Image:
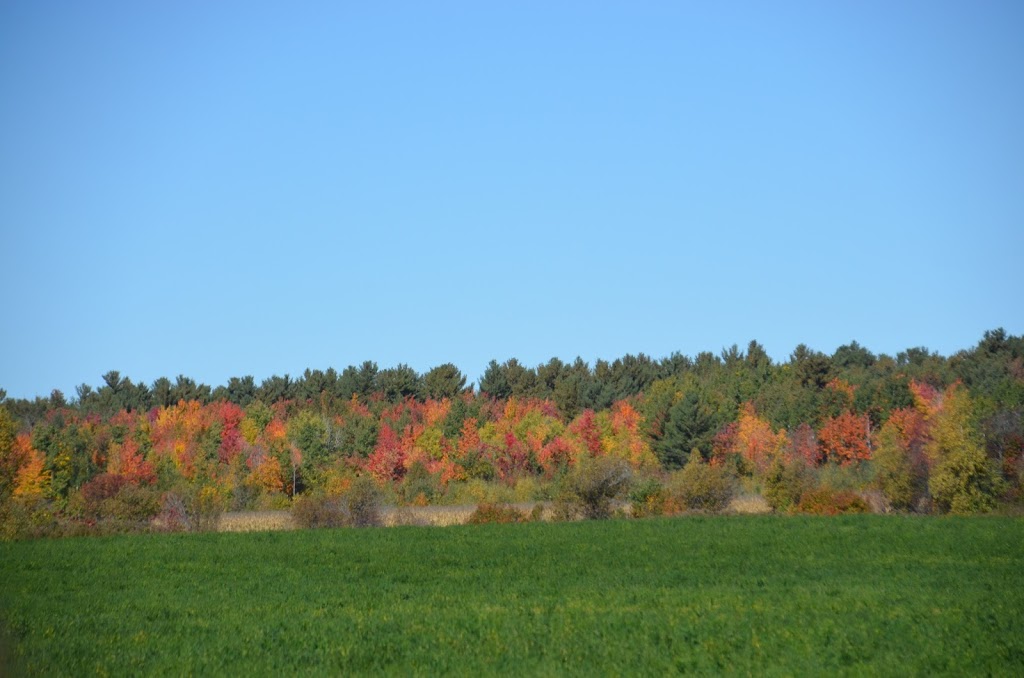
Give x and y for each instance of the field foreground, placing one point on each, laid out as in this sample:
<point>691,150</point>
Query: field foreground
<point>743,594</point>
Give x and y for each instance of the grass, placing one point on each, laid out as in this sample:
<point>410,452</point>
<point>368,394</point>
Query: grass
<point>741,594</point>
<point>255,521</point>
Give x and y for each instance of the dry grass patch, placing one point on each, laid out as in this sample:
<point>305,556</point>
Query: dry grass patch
<point>255,521</point>
<point>749,503</point>
<point>437,516</point>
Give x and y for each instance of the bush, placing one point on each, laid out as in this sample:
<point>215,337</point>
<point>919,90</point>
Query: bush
<point>785,484</point>
<point>647,498</point>
<point>110,504</point>
<point>528,488</point>
<point>419,486</point>
<point>700,486</point>
<point>98,490</point>
<point>852,477</point>
<point>476,491</point>
<point>826,502</point>
<point>565,508</point>
<point>495,513</point>
<point>360,506</point>
<point>27,519</point>
<point>364,501</point>
<point>595,483</point>
<point>191,509</point>
<point>272,501</point>
<point>244,497</point>
<point>132,503</point>
<point>317,511</point>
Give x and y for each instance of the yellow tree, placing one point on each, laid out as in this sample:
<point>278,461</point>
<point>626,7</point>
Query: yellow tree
<point>750,440</point>
<point>963,479</point>
<point>32,479</point>
<point>265,472</point>
<point>901,469</point>
<point>622,436</point>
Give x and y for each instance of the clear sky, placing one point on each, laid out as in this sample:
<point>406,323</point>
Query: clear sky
<point>220,189</point>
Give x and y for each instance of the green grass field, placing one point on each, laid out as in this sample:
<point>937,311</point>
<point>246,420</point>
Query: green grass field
<point>775,595</point>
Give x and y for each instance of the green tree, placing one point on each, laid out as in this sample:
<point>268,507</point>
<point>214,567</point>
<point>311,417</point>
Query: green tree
<point>692,423</point>
<point>275,389</point>
<point>241,391</point>
<point>508,379</point>
<point>573,387</point>
<point>398,383</point>
<point>358,435</point>
<point>308,432</point>
<point>10,461</point>
<point>443,381</point>
<point>69,451</point>
<point>622,379</point>
<point>360,381</point>
<point>316,384</point>
<point>186,389</point>
<point>812,369</point>
<point>852,356</point>
<point>161,391</point>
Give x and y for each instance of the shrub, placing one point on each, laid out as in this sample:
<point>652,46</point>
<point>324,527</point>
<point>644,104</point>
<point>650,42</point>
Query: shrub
<point>132,503</point>
<point>495,513</point>
<point>826,502</point>
<point>527,488</point>
<point>98,490</point>
<point>364,501</point>
<point>318,511</point>
<point>110,503</point>
<point>272,501</point>
<point>360,506</point>
<point>476,491</point>
<point>192,509</point>
<point>785,483</point>
<point>173,516</point>
<point>205,505</point>
<point>700,486</point>
<point>244,497</point>
<point>27,518</point>
<point>852,477</point>
<point>419,486</point>
<point>647,498</point>
<point>565,508</point>
<point>595,483</point>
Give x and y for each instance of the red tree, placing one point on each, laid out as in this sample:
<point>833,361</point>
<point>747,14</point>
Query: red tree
<point>846,438</point>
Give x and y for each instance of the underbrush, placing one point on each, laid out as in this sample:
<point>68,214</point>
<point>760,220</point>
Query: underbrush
<point>826,502</point>
<point>360,506</point>
<point>600,487</point>
<point>495,513</point>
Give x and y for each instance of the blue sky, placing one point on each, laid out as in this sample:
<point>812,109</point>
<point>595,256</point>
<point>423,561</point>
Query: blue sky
<point>221,189</point>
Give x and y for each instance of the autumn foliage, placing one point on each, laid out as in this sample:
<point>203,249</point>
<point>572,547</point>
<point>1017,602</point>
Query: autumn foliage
<point>924,432</point>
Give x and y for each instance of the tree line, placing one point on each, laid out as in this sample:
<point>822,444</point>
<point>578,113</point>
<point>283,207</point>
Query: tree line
<point>924,431</point>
